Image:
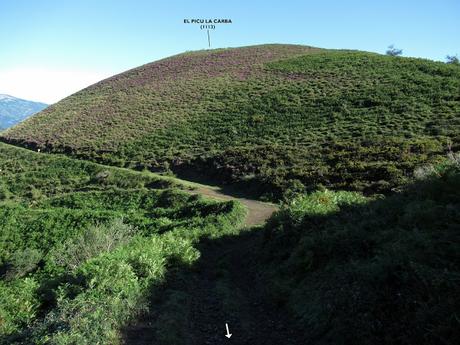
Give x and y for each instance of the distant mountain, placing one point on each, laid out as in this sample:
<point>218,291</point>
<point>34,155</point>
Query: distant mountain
<point>14,110</point>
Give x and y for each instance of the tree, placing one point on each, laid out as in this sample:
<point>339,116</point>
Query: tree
<point>452,59</point>
<point>392,51</point>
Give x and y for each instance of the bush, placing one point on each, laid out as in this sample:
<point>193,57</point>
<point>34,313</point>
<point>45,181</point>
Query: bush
<point>98,239</point>
<point>23,262</point>
<point>18,304</point>
<point>113,288</point>
<point>452,59</point>
<point>392,51</point>
<point>4,192</point>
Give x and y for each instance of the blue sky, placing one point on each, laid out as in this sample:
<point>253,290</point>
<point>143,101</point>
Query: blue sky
<point>50,49</point>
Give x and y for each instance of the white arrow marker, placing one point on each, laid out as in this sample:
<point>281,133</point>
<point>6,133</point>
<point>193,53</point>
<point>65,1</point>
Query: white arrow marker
<point>228,335</point>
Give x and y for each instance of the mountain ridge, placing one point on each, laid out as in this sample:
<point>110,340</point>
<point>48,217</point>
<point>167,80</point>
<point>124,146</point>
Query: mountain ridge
<point>14,110</point>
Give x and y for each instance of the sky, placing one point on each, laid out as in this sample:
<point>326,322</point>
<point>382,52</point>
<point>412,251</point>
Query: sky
<point>50,49</point>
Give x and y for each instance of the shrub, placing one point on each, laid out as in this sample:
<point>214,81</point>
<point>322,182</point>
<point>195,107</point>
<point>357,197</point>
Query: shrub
<point>392,51</point>
<point>452,59</point>
<point>18,304</point>
<point>23,262</point>
<point>3,193</point>
<point>115,286</point>
<point>97,239</point>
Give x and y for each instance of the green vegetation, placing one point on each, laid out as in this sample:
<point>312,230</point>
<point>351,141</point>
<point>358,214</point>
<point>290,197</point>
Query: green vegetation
<point>356,270</point>
<point>82,245</point>
<point>365,249</point>
<point>275,118</point>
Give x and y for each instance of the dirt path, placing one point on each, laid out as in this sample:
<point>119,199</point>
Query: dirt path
<point>258,211</point>
<point>225,286</point>
<point>233,292</point>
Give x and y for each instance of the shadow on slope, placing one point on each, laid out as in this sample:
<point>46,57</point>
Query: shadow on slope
<point>385,271</point>
<point>224,286</point>
<point>330,268</point>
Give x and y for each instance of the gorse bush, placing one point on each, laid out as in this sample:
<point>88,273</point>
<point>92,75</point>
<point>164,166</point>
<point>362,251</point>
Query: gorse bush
<point>27,177</point>
<point>23,261</point>
<point>95,240</point>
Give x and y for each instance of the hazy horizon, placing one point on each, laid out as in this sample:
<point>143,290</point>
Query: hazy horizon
<point>52,49</point>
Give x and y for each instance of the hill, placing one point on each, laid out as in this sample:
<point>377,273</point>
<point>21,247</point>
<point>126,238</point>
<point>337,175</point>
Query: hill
<point>13,110</point>
<point>277,118</point>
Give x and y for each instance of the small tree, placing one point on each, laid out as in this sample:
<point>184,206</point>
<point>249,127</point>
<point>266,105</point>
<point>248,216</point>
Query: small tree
<point>452,59</point>
<point>392,51</point>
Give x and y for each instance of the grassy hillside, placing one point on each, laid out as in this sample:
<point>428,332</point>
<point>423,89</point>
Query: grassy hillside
<point>276,118</point>
<point>356,270</point>
<point>82,245</point>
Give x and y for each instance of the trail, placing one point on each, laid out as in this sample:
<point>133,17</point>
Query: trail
<point>258,211</point>
<point>224,287</point>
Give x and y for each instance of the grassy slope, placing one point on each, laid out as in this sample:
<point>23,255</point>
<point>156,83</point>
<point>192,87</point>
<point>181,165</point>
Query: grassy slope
<point>275,117</point>
<point>371,271</point>
<point>82,244</point>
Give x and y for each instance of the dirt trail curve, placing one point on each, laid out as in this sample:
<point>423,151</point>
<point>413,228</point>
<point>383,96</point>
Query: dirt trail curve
<point>225,286</point>
<point>258,211</point>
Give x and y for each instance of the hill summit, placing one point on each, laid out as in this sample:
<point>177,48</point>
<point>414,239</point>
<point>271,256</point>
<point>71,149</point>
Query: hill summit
<point>277,118</point>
